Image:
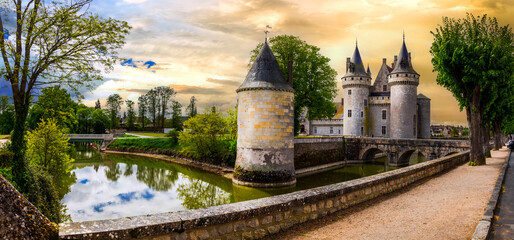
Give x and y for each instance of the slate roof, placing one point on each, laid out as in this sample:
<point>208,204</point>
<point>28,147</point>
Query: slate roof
<point>403,65</point>
<point>421,96</point>
<point>265,74</point>
<point>357,68</point>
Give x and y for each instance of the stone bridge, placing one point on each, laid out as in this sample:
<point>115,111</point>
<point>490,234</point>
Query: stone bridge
<point>398,151</point>
<point>90,137</point>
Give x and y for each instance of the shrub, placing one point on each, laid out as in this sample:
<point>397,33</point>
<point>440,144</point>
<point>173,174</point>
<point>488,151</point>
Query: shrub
<point>6,159</point>
<point>173,134</point>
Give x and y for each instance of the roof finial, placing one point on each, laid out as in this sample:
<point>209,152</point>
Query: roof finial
<point>403,35</point>
<point>355,42</point>
<point>266,32</point>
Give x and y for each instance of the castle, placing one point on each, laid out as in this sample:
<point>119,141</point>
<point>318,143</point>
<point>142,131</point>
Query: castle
<point>390,107</point>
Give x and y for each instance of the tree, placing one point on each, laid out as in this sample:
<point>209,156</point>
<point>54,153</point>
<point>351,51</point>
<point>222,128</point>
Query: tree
<point>100,121</point>
<point>54,103</point>
<point>131,114</point>
<point>165,94</point>
<point>153,106</point>
<point>57,42</point>
<point>176,116</point>
<point>6,115</point>
<point>97,104</point>
<point>191,108</point>
<point>467,55</point>
<point>114,103</point>
<point>85,118</point>
<point>313,78</point>
<point>454,132</point>
<point>142,106</point>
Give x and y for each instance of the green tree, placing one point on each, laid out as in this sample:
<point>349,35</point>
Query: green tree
<point>142,106</point>
<point>191,108</point>
<point>54,42</point>
<point>465,132</point>
<point>97,104</point>
<point>165,94</point>
<point>466,56</point>
<point>131,114</point>
<point>114,103</point>
<point>6,115</point>
<point>205,137</point>
<point>54,103</point>
<point>313,78</point>
<point>153,107</point>
<point>176,116</point>
<point>85,119</point>
<point>100,121</point>
<point>454,132</point>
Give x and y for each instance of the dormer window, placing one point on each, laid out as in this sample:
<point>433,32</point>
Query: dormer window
<point>385,88</point>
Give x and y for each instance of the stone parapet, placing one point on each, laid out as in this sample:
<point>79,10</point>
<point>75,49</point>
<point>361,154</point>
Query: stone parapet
<point>257,218</point>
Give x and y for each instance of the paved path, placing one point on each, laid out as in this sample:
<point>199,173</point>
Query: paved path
<point>141,136</point>
<point>448,206</point>
<point>503,227</point>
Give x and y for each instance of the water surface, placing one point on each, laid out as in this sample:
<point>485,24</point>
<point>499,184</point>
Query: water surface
<point>117,185</point>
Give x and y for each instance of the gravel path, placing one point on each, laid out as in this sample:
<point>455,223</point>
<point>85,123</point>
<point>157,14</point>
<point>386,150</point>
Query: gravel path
<point>448,206</point>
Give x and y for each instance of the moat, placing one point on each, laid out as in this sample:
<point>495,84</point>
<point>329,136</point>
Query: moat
<point>111,186</point>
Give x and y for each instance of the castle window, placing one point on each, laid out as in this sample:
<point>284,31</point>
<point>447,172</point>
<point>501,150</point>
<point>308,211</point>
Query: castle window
<point>339,131</point>
<point>385,88</point>
<point>331,130</point>
<point>396,75</point>
<point>384,114</point>
<point>349,113</point>
<point>365,103</point>
<point>352,78</point>
<point>362,131</point>
<point>384,130</point>
<point>382,98</point>
<point>362,114</point>
<point>360,79</point>
<point>315,130</point>
<point>349,92</point>
<point>406,75</point>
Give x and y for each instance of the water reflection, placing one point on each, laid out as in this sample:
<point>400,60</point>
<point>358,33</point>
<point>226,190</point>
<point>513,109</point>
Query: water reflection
<point>106,186</point>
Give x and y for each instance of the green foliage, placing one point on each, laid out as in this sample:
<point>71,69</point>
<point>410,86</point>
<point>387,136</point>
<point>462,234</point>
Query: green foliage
<point>173,134</point>
<point>6,115</point>
<point>191,108</point>
<point>114,103</point>
<point>55,103</point>
<point>176,116</point>
<point>454,132</point>
<point>207,137</point>
<point>313,78</point>
<point>6,159</point>
<point>142,106</point>
<point>144,144</point>
<point>465,132</point>
<point>131,114</point>
<point>48,146</point>
<point>164,95</point>
<point>44,195</point>
<point>100,121</point>
<point>85,119</point>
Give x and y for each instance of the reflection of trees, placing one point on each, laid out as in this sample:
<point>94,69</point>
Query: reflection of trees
<point>198,194</point>
<point>128,170</point>
<point>63,182</point>
<point>156,178</point>
<point>113,172</point>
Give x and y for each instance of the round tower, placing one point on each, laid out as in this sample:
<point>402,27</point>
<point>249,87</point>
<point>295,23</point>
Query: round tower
<point>265,123</point>
<point>403,82</point>
<point>423,116</point>
<point>356,84</point>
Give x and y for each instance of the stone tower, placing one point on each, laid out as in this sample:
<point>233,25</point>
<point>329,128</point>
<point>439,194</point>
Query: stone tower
<point>356,84</point>
<point>423,116</point>
<point>265,123</point>
<point>403,83</point>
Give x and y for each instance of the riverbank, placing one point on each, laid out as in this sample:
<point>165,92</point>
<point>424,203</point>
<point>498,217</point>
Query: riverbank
<point>448,206</point>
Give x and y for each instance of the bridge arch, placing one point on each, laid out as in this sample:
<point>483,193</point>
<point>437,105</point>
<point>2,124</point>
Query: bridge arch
<point>368,154</point>
<point>404,157</point>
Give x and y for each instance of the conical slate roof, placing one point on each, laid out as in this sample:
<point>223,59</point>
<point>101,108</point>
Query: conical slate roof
<point>368,71</point>
<point>265,73</point>
<point>403,64</point>
<point>357,68</point>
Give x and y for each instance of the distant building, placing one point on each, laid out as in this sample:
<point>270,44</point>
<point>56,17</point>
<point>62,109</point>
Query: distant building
<point>390,107</point>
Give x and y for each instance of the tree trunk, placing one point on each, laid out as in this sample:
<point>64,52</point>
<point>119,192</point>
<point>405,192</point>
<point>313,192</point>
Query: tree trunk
<point>487,138</point>
<point>18,147</point>
<point>497,135</point>
<point>475,132</point>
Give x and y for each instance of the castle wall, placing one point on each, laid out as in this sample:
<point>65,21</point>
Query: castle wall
<point>354,102</point>
<point>403,108</point>
<point>423,118</point>
<point>265,148</point>
<point>376,118</point>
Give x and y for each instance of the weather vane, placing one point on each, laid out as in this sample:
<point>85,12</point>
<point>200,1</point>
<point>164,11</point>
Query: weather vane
<point>266,32</point>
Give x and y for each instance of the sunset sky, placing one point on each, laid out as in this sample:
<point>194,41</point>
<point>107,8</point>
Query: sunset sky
<point>202,48</point>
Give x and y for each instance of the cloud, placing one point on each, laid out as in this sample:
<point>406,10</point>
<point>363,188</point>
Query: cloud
<point>224,82</point>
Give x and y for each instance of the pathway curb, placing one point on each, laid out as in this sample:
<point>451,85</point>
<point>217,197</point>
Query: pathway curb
<point>483,227</point>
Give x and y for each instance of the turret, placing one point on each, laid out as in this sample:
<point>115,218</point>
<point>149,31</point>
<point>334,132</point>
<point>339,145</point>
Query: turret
<point>265,123</point>
<point>356,84</point>
<point>423,116</point>
<point>403,82</point>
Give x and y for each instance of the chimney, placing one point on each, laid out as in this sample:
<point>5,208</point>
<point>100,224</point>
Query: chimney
<point>290,68</point>
<point>347,64</point>
<point>384,61</point>
<point>395,60</point>
<point>410,64</point>
<point>342,101</point>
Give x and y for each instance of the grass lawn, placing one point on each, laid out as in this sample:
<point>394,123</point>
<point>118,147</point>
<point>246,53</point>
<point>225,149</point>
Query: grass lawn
<point>128,136</point>
<point>149,134</point>
<point>3,136</point>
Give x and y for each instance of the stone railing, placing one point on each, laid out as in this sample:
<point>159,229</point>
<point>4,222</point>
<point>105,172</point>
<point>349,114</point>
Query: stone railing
<point>260,217</point>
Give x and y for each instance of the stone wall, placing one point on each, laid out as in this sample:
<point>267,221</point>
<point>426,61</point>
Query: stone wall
<point>309,152</point>
<point>19,219</point>
<point>257,218</point>
<point>376,108</point>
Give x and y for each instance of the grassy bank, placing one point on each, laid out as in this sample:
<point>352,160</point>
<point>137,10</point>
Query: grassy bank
<point>149,134</point>
<point>160,145</point>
